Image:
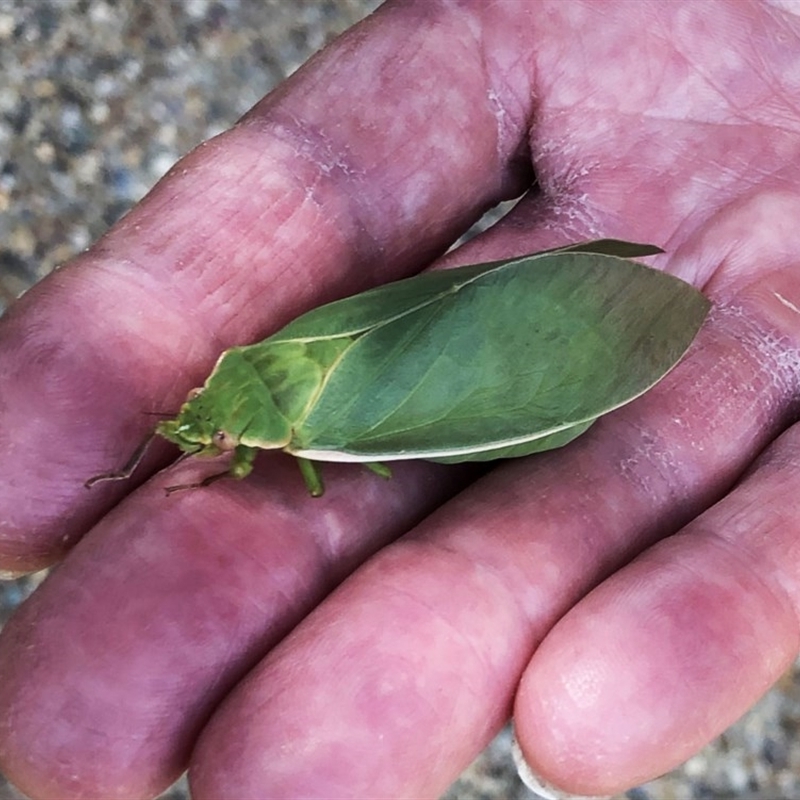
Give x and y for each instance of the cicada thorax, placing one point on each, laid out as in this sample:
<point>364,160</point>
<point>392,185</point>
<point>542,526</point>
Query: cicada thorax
<point>259,395</point>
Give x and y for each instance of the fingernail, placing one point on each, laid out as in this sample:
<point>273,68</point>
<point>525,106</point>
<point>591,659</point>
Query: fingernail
<point>540,786</point>
<point>33,578</point>
<point>10,575</point>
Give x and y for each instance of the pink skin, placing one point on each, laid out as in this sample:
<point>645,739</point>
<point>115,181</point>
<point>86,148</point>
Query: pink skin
<point>628,597</point>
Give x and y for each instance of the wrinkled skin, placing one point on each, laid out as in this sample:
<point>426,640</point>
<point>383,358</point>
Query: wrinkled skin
<point>627,597</point>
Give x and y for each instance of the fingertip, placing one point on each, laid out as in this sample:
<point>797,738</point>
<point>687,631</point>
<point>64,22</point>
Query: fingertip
<point>649,668</point>
<point>566,718</point>
<point>537,784</point>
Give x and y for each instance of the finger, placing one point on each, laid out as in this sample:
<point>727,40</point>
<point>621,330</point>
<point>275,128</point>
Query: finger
<point>670,651</point>
<point>112,667</point>
<point>318,192</point>
<point>479,585</point>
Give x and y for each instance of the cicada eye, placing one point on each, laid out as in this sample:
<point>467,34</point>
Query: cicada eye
<point>196,392</point>
<point>224,441</point>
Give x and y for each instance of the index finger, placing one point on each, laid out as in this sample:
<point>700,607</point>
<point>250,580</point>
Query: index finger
<point>310,196</point>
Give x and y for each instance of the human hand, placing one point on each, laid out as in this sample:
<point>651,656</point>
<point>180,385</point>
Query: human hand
<point>642,121</point>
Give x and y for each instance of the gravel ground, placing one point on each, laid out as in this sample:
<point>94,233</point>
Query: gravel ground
<point>97,100</point>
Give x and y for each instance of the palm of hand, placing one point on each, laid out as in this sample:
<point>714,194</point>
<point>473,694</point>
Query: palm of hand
<point>665,128</point>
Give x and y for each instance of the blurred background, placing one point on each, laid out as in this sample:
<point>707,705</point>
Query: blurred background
<point>98,98</point>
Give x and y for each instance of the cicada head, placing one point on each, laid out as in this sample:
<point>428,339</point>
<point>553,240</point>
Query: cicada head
<point>195,429</point>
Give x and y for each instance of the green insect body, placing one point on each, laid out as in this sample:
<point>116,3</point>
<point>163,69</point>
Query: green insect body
<point>479,362</point>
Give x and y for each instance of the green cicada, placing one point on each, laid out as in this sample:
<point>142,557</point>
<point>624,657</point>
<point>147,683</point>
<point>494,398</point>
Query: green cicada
<point>480,362</point>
